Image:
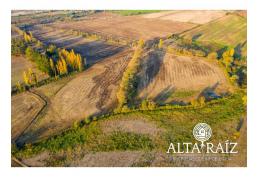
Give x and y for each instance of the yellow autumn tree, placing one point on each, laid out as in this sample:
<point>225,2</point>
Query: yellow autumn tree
<point>26,78</point>
<point>160,44</point>
<point>79,63</point>
<point>61,66</point>
<point>127,86</point>
<point>27,37</point>
<point>65,70</point>
<point>52,66</point>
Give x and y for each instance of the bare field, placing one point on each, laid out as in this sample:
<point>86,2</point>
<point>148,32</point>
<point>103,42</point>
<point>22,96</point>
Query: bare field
<point>21,64</point>
<point>92,50</point>
<point>25,107</point>
<point>187,16</point>
<point>89,93</point>
<point>128,27</point>
<point>163,74</point>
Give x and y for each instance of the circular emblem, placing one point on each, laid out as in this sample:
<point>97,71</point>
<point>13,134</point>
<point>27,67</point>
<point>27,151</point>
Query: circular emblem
<point>202,132</point>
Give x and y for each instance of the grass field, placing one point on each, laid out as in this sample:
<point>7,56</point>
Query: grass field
<point>172,125</point>
<point>229,30</point>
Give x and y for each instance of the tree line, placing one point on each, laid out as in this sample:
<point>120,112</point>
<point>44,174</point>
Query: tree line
<point>128,85</point>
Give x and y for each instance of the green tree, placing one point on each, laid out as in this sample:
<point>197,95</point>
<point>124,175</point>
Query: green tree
<point>29,53</point>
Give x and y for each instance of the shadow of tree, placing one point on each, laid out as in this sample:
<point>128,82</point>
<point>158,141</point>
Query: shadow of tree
<point>196,36</point>
<point>164,95</point>
<point>31,136</point>
<point>209,92</point>
<point>150,68</point>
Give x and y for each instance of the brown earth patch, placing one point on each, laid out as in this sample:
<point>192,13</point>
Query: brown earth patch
<point>37,161</point>
<point>25,107</point>
<point>164,73</point>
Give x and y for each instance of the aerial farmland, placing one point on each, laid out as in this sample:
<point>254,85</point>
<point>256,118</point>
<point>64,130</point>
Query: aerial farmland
<point>115,88</point>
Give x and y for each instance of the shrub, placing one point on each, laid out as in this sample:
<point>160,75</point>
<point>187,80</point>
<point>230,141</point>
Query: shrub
<point>160,44</point>
<point>198,102</point>
<point>213,55</point>
<point>202,101</point>
<point>125,108</point>
<point>18,47</point>
<point>19,87</point>
<point>87,120</point>
<point>127,141</point>
<point>75,125</point>
<point>194,103</point>
<point>148,105</point>
<point>244,99</point>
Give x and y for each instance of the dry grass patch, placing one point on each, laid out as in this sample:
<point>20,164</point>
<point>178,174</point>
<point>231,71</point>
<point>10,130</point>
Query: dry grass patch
<point>138,126</point>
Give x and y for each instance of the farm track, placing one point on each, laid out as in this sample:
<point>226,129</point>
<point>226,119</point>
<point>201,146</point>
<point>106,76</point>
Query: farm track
<point>18,163</point>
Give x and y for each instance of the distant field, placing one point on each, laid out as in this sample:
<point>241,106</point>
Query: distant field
<point>134,12</point>
<point>128,27</point>
<point>190,16</point>
<point>229,30</point>
<point>21,64</point>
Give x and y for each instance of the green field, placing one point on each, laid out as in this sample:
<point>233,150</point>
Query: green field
<point>229,30</point>
<point>134,12</point>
